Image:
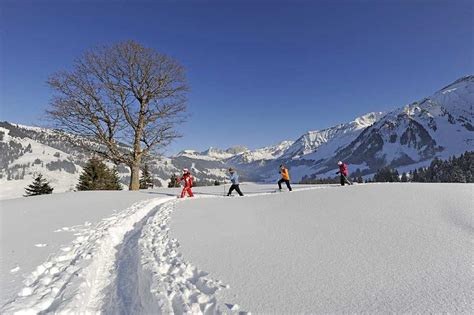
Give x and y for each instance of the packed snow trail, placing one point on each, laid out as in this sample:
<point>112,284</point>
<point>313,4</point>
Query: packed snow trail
<point>74,280</point>
<point>126,263</point>
<point>35,228</point>
<point>152,277</point>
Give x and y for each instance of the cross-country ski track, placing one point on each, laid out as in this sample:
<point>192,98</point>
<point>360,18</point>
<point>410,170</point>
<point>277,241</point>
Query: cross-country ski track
<point>126,264</point>
<point>254,254</point>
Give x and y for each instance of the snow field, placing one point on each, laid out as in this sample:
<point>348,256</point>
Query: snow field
<point>35,228</point>
<point>365,248</point>
<point>377,248</point>
<point>88,273</point>
<point>73,280</point>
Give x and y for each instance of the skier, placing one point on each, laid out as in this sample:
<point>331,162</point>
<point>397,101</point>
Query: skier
<point>234,178</point>
<point>343,172</point>
<point>285,177</point>
<point>188,183</point>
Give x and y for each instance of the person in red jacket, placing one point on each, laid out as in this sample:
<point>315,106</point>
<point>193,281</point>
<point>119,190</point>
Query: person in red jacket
<point>344,173</point>
<point>188,183</point>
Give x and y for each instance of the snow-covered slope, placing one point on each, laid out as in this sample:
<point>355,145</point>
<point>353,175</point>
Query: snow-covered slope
<point>405,138</point>
<point>437,126</point>
<point>441,125</point>
<point>22,157</point>
<point>378,249</point>
<point>267,153</point>
<point>26,151</point>
<point>109,251</point>
<point>32,229</point>
<point>308,145</point>
<point>398,248</point>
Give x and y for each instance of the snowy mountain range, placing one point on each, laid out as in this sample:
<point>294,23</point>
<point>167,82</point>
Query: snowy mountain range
<point>411,136</point>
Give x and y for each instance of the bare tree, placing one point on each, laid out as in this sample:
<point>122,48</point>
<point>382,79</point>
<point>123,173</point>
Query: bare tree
<point>126,97</point>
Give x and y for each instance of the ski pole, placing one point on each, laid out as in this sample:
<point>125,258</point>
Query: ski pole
<point>348,181</point>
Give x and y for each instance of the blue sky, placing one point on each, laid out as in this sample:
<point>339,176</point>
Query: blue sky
<point>259,71</point>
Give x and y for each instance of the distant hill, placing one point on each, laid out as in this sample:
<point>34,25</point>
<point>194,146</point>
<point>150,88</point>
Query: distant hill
<point>411,136</point>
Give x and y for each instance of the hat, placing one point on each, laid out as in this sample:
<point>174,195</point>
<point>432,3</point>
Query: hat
<point>185,170</point>
<point>339,163</point>
<point>231,169</point>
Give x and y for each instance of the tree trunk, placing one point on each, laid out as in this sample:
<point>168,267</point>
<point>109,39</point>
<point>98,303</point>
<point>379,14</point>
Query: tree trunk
<point>135,176</point>
<point>137,157</point>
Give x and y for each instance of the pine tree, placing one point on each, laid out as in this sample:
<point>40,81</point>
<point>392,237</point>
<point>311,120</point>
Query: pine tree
<point>40,186</point>
<point>386,174</point>
<point>114,182</point>
<point>454,170</point>
<point>97,176</point>
<point>404,178</point>
<point>173,181</point>
<point>146,180</point>
<point>457,175</point>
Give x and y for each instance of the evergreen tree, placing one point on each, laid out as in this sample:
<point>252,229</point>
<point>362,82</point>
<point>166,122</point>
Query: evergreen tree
<point>457,175</point>
<point>146,180</point>
<point>386,174</point>
<point>404,178</point>
<point>40,186</point>
<point>97,176</point>
<point>453,170</point>
<point>114,182</point>
<point>173,181</point>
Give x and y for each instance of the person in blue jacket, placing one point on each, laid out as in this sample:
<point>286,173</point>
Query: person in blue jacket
<point>234,178</point>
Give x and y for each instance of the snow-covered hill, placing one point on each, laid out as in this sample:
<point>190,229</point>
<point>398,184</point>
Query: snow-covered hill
<point>405,138</point>
<point>321,143</point>
<point>398,248</point>
<point>408,137</point>
<point>437,126</point>
<point>26,151</point>
<point>267,153</point>
<point>441,125</point>
<point>23,155</point>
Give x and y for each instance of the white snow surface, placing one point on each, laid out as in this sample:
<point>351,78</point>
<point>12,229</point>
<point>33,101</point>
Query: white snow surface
<point>55,222</point>
<point>374,248</point>
<point>76,252</point>
<point>61,181</point>
<point>378,248</point>
<point>319,144</point>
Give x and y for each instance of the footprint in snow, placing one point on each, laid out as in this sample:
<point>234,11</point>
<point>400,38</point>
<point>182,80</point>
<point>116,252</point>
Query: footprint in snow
<point>27,291</point>
<point>15,270</point>
<point>41,245</point>
<point>232,307</point>
<point>64,229</point>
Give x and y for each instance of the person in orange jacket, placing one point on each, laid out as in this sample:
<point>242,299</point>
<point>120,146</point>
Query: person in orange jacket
<point>188,183</point>
<point>285,177</point>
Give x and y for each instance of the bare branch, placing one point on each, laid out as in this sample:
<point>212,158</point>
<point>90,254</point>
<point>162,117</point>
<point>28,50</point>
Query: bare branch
<point>125,93</point>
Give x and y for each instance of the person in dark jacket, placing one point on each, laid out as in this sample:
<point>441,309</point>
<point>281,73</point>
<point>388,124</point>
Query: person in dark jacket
<point>343,171</point>
<point>234,178</point>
